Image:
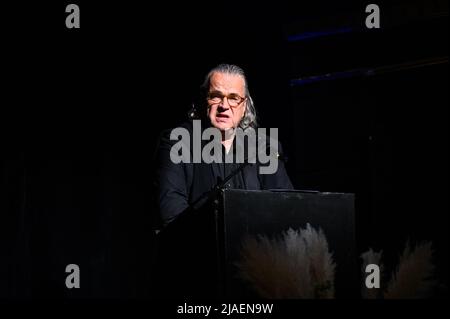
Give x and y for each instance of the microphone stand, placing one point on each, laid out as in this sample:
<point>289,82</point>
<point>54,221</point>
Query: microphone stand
<point>220,186</point>
<point>196,209</point>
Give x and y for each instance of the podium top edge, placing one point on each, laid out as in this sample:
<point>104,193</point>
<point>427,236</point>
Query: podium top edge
<point>289,191</point>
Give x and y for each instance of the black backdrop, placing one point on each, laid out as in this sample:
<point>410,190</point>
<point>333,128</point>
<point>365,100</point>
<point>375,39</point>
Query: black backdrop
<point>83,109</point>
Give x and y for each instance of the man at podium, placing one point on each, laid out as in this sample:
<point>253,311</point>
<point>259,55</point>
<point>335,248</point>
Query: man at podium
<point>228,107</point>
<point>187,185</point>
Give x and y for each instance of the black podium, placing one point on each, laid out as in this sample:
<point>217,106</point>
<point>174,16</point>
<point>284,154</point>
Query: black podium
<point>198,251</point>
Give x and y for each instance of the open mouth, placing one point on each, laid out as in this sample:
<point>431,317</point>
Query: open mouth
<point>220,117</point>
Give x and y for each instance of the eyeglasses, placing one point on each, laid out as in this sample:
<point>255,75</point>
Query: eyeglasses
<point>234,100</point>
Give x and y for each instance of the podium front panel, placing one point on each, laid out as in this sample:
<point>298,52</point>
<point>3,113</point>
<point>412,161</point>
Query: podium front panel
<point>270,213</point>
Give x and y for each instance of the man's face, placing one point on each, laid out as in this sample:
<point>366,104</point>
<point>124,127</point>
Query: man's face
<point>221,114</point>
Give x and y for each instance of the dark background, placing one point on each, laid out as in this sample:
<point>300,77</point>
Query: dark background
<point>83,110</point>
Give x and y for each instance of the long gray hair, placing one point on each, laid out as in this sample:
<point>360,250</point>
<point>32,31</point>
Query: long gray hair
<point>249,118</point>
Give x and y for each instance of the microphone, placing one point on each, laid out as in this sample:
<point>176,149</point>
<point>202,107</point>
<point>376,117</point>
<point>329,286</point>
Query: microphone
<point>193,113</point>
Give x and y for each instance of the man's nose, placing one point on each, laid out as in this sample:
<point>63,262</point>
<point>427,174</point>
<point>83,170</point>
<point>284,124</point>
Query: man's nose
<point>223,104</point>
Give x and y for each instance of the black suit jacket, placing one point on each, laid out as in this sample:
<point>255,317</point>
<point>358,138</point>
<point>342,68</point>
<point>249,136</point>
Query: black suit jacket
<point>181,185</point>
